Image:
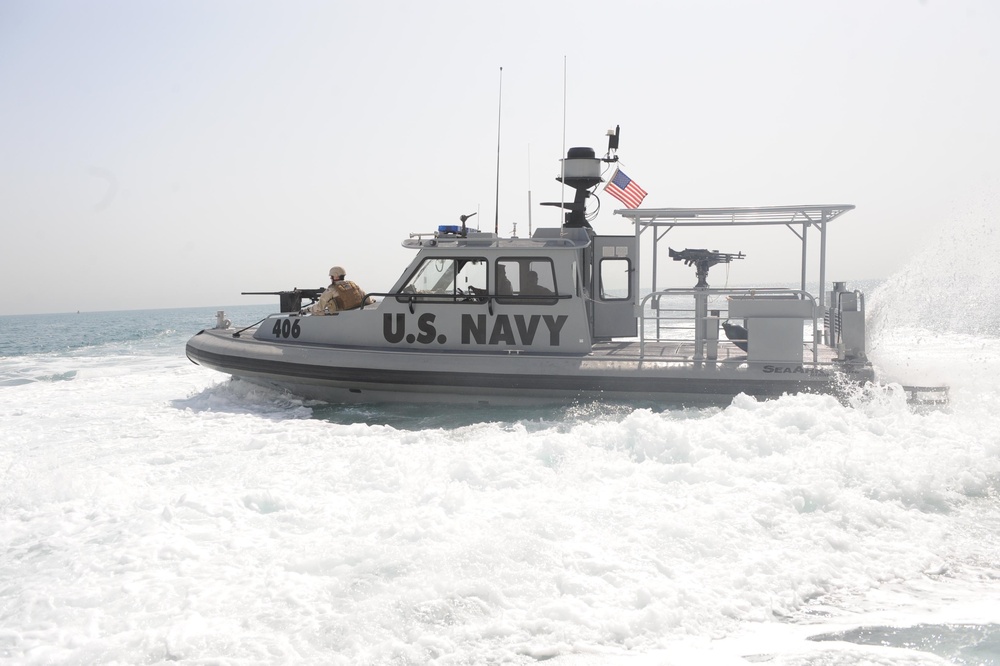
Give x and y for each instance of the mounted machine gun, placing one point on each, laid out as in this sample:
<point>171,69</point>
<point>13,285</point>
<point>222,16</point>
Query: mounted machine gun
<point>702,260</point>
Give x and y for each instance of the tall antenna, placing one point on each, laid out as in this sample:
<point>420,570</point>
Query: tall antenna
<point>562,207</point>
<point>496,219</point>
<point>529,190</point>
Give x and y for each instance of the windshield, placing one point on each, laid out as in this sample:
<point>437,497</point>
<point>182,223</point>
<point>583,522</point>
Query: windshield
<point>448,276</point>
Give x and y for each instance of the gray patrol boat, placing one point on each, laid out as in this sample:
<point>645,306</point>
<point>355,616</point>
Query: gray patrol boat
<point>564,315</point>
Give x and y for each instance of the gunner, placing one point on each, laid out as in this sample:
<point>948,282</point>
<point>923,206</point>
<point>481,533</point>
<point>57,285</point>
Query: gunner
<point>340,295</point>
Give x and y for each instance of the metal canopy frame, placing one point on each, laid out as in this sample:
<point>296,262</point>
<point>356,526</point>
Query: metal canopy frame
<point>797,218</point>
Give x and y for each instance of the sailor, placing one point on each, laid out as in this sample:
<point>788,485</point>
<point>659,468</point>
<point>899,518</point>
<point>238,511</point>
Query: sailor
<point>504,287</point>
<point>531,286</point>
<point>340,295</point>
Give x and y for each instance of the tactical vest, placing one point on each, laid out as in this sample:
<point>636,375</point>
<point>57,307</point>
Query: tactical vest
<point>349,295</point>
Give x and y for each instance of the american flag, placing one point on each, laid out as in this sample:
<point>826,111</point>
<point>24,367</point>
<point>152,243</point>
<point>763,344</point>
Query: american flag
<point>625,189</point>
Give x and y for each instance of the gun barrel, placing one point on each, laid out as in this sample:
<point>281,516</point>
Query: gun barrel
<point>305,292</point>
<point>696,255</point>
<point>290,300</point>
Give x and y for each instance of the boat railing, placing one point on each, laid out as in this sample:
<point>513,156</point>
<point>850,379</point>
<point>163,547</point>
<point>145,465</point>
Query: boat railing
<point>291,301</point>
<point>474,296</point>
<point>692,317</point>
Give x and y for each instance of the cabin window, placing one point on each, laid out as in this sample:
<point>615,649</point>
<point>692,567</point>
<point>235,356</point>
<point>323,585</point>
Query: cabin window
<point>447,280</point>
<point>614,276</point>
<point>525,280</point>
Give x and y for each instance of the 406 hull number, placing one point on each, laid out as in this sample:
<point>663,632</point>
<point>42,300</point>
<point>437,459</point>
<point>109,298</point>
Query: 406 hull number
<point>286,328</point>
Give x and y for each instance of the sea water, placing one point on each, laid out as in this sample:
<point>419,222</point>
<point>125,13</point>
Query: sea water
<point>154,511</point>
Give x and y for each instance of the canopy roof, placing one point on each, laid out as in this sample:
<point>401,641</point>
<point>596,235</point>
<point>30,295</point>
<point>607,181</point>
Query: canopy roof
<point>797,218</point>
<point>760,215</point>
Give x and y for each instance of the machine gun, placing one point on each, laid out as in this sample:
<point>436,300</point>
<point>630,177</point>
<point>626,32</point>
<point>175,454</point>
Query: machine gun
<point>290,301</point>
<point>702,260</point>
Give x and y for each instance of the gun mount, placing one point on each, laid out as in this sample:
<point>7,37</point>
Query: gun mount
<point>702,260</point>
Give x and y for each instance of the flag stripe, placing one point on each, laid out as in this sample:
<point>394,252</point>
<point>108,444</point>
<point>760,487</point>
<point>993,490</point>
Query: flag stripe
<point>625,189</point>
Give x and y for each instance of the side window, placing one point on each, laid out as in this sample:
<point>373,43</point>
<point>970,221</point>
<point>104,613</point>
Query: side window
<point>508,279</point>
<point>613,274</point>
<point>471,279</point>
<point>524,280</point>
<point>447,280</point>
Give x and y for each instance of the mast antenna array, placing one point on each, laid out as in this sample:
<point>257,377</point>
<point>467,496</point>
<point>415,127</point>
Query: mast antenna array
<point>496,219</point>
<point>581,170</point>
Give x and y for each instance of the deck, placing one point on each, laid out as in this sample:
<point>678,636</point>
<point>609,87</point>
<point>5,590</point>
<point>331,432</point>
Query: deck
<point>684,352</point>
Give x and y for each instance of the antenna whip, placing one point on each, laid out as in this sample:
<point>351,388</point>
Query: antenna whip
<point>496,219</point>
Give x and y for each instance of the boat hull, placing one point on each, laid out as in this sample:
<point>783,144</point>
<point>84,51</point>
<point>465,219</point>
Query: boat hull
<point>338,374</point>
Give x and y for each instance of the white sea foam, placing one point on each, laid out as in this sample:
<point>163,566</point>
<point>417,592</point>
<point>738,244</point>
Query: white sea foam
<point>152,511</point>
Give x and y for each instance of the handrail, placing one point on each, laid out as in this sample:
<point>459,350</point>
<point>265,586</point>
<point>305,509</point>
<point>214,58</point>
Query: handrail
<point>503,299</point>
<point>728,291</point>
<point>481,298</point>
<point>798,294</point>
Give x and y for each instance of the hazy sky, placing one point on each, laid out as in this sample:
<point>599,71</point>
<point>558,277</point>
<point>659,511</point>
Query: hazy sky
<point>171,154</point>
